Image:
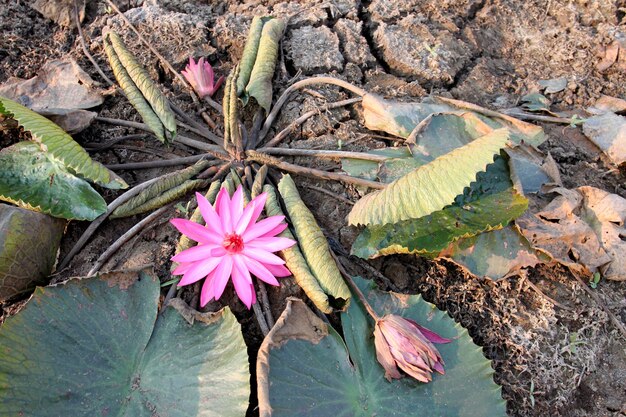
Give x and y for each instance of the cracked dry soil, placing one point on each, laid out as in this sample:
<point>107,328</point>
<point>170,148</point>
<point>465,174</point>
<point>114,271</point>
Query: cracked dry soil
<point>489,52</point>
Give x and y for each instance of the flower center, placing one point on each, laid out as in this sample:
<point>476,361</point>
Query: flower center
<point>233,243</point>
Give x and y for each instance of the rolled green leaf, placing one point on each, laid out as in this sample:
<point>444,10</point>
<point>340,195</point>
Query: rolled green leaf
<point>160,193</point>
<point>133,94</point>
<point>314,244</point>
<point>260,84</point>
<point>249,52</point>
<point>295,260</point>
<point>56,142</point>
<point>142,80</point>
<point>259,180</point>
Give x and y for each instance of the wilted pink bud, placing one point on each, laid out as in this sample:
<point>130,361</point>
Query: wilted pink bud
<point>201,77</point>
<point>402,343</point>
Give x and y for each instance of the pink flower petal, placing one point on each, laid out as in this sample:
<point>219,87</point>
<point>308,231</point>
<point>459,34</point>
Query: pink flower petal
<point>195,253</point>
<point>278,270</point>
<point>275,231</point>
<point>242,281</point>
<point>197,232</point>
<point>271,244</point>
<point>259,200</point>
<point>209,214</point>
<point>262,256</point>
<point>236,206</point>
<point>262,227</point>
<point>198,271</point>
<point>222,273</point>
<point>246,217</point>
<point>429,334</point>
<point>223,210</point>
<point>260,271</point>
<point>206,294</point>
<point>182,268</point>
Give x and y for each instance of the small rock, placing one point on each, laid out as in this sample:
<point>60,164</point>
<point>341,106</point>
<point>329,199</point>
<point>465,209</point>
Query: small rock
<point>300,14</point>
<point>411,50</point>
<point>314,50</point>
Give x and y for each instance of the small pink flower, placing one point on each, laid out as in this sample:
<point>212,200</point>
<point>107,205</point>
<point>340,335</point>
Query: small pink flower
<point>402,343</point>
<point>232,245</point>
<point>201,77</point>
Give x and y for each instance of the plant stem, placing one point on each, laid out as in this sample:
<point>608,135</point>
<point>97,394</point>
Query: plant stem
<point>162,163</point>
<point>324,154</point>
<point>300,84</point>
<point>355,288</point>
<point>292,126</point>
<point>124,238</point>
<point>265,303</point>
<point>330,193</point>
<point>260,318</point>
<point>86,50</point>
<point>98,221</point>
<point>311,172</point>
<point>536,117</point>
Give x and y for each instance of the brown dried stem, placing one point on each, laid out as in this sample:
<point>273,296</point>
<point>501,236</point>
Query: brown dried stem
<point>323,154</point>
<point>86,50</point>
<point>293,125</point>
<point>125,238</point>
<point>298,85</point>
<point>311,172</point>
<point>163,163</point>
<point>355,288</point>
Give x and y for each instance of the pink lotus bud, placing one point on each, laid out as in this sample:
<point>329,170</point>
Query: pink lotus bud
<point>402,343</point>
<point>201,77</point>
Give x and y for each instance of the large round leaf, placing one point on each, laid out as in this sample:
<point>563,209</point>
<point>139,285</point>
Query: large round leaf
<point>33,179</point>
<point>29,243</point>
<point>95,347</point>
<point>307,370</point>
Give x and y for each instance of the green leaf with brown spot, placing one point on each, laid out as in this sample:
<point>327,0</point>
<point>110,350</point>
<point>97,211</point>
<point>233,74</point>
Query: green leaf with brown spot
<point>57,143</point>
<point>35,180</point>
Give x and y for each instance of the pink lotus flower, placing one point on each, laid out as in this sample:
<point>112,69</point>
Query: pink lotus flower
<point>232,245</point>
<point>402,343</point>
<point>201,77</point>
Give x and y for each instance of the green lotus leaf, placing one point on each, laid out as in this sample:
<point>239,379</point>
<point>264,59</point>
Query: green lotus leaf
<point>430,187</point>
<point>431,234</point>
<point>304,368</point>
<point>29,243</point>
<point>35,180</point>
<point>95,346</point>
<point>55,141</point>
<point>495,254</point>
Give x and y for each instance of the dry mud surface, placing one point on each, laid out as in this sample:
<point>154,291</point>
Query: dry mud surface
<point>489,52</point>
